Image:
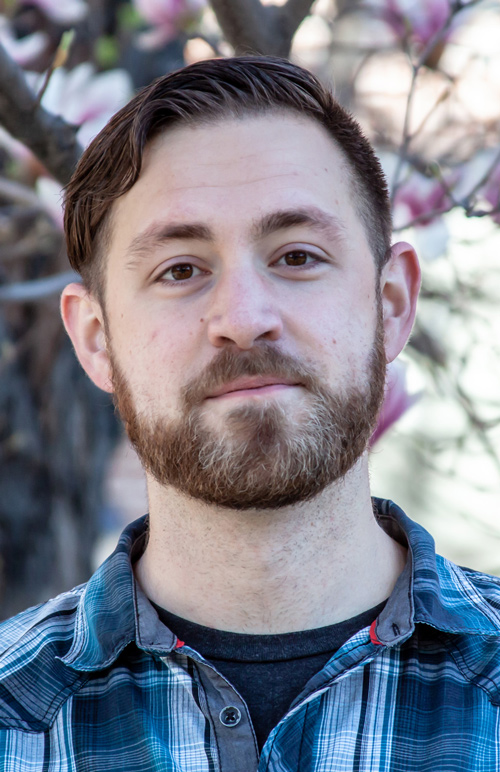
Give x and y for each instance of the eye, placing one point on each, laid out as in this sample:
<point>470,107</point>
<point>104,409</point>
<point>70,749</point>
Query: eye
<point>178,273</point>
<point>299,258</point>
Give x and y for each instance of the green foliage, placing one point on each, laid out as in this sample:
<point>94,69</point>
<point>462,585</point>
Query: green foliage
<point>129,18</point>
<point>106,52</point>
<point>8,6</point>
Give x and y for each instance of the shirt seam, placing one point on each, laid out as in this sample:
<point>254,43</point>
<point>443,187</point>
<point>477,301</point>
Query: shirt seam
<point>45,725</point>
<point>468,673</point>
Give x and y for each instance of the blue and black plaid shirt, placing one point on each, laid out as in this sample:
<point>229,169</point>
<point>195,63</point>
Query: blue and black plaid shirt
<point>92,681</point>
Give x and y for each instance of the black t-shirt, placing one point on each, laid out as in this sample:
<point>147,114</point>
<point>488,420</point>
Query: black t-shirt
<point>268,671</point>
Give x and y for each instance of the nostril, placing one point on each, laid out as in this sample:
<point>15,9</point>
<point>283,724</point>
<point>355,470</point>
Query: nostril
<point>244,329</point>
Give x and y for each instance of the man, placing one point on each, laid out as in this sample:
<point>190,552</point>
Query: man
<point>241,299</point>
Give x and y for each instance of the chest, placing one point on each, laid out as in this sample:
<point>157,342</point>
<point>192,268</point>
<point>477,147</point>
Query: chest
<point>387,715</point>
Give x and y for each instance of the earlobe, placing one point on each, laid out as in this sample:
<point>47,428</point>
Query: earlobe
<point>83,319</point>
<point>399,284</point>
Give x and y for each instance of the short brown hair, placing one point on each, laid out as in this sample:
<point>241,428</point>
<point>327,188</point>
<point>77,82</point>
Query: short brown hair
<point>206,92</point>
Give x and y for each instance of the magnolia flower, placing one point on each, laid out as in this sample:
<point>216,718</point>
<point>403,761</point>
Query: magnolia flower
<point>167,17</point>
<point>85,99</point>
<point>21,50</point>
<point>61,11</point>
<point>420,199</point>
<point>419,202</point>
<point>419,21</point>
<point>397,399</point>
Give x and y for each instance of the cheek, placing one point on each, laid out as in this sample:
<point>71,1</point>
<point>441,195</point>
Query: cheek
<point>150,359</point>
<point>343,340</point>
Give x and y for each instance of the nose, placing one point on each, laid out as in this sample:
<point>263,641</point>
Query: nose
<point>243,312</point>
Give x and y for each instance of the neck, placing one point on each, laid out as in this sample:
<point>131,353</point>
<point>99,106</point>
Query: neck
<point>296,568</point>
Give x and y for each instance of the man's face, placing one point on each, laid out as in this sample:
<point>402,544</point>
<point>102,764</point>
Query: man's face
<point>243,324</point>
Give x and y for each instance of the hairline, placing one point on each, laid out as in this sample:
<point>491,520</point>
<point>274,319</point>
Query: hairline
<point>359,195</point>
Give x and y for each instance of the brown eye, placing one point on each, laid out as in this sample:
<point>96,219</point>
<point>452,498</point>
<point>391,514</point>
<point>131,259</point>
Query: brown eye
<point>181,271</point>
<point>298,257</point>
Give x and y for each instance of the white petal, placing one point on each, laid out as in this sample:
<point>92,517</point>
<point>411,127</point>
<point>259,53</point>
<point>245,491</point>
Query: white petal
<point>63,11</point>
<point>50,194</point>
<point>431,241</point>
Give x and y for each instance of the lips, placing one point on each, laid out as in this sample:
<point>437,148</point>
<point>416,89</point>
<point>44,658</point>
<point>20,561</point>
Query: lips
<point>249,383</point>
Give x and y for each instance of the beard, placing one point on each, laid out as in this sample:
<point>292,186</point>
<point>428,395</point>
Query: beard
<point>265,455</point>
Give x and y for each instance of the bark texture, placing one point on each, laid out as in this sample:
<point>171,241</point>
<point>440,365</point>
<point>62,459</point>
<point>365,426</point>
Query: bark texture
<point>253,28</point>
<point>48,136</point>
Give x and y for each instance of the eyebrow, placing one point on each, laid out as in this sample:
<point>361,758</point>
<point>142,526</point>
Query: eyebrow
<point>288,218</point>
<point>158,234</point>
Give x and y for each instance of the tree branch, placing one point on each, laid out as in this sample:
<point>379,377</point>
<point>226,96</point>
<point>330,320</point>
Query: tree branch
<point>251,27</point>
<point>37,289</point>
<point>292,14</point>
<point>48,136</point>
<point>243,23</point>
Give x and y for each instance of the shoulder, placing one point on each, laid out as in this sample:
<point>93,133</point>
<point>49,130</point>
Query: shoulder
<point>487,585</point>
<point>33,681</point>
<point>476,596</point>
<point>469,617</point>
<point>48,619</point>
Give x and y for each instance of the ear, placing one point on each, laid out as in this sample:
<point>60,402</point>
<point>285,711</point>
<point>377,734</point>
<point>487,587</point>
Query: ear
<point>399,285</point>
<point>84,322</point>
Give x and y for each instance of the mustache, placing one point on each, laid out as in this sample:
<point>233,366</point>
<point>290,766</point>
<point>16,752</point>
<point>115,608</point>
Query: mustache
<point>262,360</point>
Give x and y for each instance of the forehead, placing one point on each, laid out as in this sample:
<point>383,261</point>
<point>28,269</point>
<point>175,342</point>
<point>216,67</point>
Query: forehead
<point>233,171</point>
<point>239,149</point>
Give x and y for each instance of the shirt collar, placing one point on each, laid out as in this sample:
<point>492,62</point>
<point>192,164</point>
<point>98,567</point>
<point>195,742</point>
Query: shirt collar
<point>431,590</point>
<point>114,612</point>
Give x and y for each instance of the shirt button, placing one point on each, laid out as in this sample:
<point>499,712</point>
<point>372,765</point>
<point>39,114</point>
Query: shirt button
<point>230,716</point>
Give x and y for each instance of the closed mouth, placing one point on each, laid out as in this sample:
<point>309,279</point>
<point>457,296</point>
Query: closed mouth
<point>256,383</point>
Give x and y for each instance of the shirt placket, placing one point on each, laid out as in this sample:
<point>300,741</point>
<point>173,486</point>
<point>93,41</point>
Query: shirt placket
<point>229,718</point>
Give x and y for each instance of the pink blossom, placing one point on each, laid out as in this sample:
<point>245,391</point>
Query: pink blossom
<point>167,18</point>
<point>420,21</point>
<point>61,11</point>
<point>397,399</point>
<point>419,202</point>
<point>421,199</point>
<point>83,97</point>
<point>86,99</point>
<point>21,50</point>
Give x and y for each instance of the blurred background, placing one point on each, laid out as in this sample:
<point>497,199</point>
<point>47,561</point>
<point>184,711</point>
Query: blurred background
<point>423,79</point>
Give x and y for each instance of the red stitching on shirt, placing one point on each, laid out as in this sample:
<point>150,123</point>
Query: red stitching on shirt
<point>373,637</point>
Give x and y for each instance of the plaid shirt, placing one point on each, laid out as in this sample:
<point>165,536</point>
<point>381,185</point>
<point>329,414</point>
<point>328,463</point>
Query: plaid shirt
<point>92,681</point>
